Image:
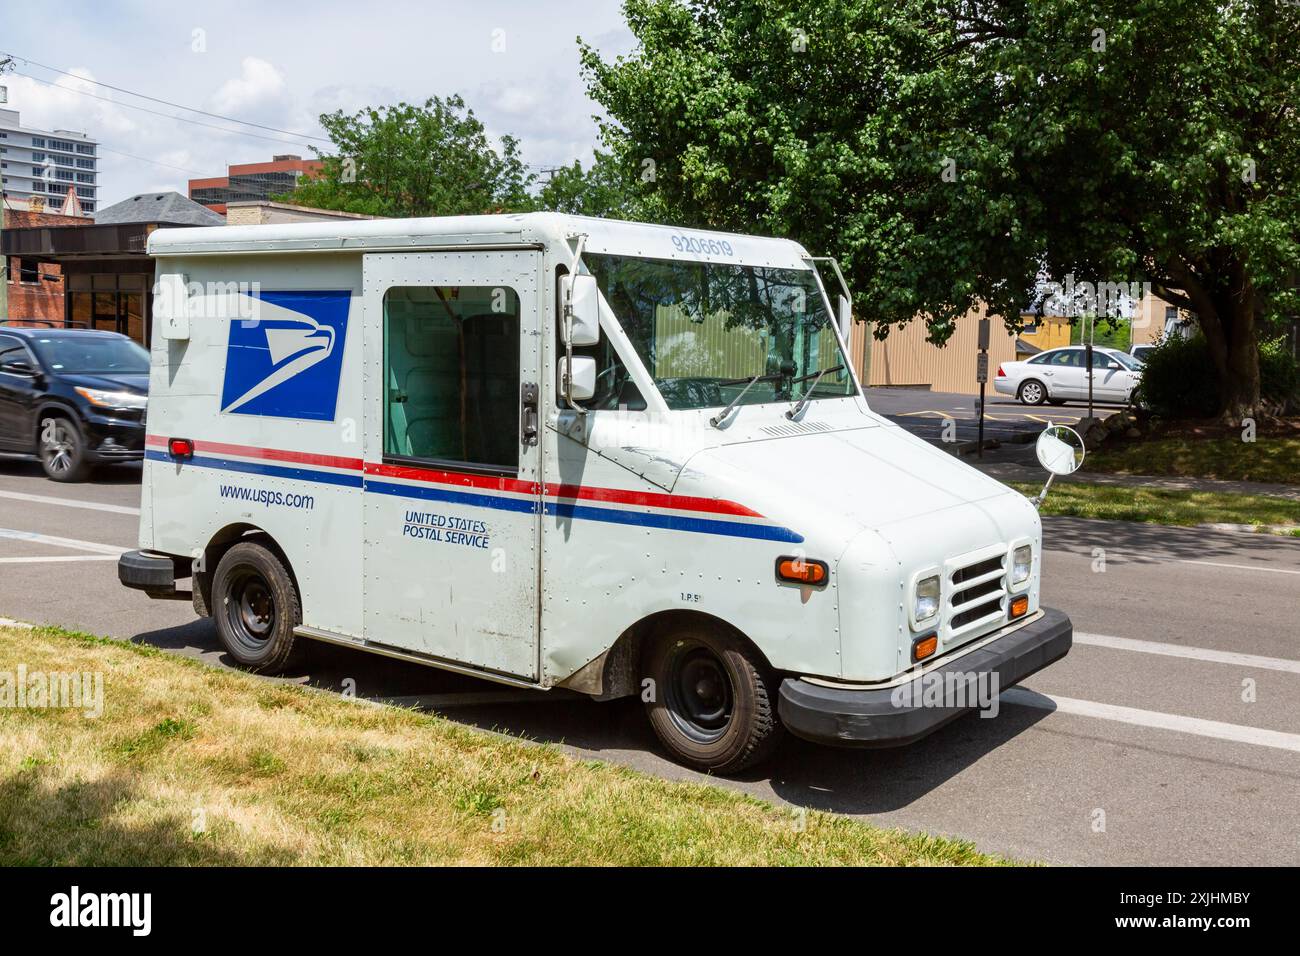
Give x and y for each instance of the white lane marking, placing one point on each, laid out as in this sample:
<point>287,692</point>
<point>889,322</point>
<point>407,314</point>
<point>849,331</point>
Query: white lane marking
<point>48,559</point>
<point>1190,653</point>
<point>1238,567</point>
<point>1218,730</point>
<point>69,503</point>
<point>1156,560</point>
<point>75,544</point>
<point>10,622</point>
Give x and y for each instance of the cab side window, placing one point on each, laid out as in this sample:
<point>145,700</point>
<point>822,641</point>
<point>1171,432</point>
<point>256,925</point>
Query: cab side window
<point>451,374</point>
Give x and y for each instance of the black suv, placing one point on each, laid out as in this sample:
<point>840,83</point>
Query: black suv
<point>75,398</point>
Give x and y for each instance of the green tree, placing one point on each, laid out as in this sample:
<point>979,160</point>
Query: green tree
<point>405,160</point>
<point>950,151</point>
<point>604,189</point>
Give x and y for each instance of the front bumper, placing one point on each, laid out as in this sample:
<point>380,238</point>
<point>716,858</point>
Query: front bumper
<point>110,439</point>
<point>904,713</point>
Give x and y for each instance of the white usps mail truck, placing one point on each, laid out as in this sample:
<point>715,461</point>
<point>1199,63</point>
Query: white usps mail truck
<point>555,451</point>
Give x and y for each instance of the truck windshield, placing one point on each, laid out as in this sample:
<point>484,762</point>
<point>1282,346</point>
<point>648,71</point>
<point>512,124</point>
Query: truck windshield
<point>704,330</point>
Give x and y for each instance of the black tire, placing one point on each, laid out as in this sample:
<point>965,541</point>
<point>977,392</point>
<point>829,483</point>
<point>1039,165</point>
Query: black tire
<point>255,606</point>
<point>1032,392</point>
<point>714,700</point>
<point>62,450</point>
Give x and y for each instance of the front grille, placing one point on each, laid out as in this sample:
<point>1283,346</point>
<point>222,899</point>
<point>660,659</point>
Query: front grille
<point>977,592</point>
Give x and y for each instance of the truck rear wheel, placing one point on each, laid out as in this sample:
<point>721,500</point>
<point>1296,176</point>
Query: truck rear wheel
<point>255,606</point>
<point>713,704</point>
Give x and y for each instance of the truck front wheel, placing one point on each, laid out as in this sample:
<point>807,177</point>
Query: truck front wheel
<point>255,606</point>
<point>712,700</point>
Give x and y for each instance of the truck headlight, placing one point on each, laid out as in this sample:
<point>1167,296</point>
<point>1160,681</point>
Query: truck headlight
<point>927,599</point>
<point>1022,560</point>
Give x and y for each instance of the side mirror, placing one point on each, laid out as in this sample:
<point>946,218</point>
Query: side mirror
<point>18,368</point>
<point>845,315</point>
<point>581,320</point>
<point>581,385</point>
<point>1061,451</point>
<point>1112,364</point>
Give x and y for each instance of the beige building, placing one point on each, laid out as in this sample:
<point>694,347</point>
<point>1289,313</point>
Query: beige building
<point>1154,318</point>
<point>263,212</point>
<point>906,358</point>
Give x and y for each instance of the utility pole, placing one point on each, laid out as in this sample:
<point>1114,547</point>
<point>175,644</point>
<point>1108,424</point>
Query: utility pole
<point>4,259</point>
<point>1087,357</point>
<point>982,376</point>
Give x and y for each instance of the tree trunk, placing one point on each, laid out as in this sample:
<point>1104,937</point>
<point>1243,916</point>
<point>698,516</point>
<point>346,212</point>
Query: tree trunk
<point>1239,389</point>
<point>1227,320</point>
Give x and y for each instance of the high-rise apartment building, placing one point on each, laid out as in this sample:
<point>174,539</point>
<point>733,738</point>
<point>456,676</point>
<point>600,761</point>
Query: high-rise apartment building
<point>45,164</point>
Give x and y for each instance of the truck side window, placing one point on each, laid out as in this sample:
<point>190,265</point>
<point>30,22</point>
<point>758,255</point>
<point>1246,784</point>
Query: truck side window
<point>451,371</point>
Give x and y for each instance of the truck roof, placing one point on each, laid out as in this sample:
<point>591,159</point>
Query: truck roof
<point>611,236</point>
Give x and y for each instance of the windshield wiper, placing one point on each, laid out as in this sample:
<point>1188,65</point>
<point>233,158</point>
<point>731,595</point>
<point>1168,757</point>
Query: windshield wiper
<point>717,420</point>
<point>816,377</point>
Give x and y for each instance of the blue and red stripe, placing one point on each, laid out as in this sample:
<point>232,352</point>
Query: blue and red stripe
<point>580,502</point>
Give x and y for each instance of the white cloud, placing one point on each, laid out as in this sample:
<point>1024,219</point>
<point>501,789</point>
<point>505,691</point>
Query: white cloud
<point>533,91</point>
<point>258,83</point>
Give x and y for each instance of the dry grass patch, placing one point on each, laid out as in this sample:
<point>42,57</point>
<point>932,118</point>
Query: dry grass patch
<point>190,765</point>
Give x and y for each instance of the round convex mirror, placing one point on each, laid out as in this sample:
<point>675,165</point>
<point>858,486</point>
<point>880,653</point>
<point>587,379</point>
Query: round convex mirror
<point>1060,449</point>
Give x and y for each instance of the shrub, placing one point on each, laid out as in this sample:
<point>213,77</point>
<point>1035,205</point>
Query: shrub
<point>1279,374</point>
<point>1179,381</point>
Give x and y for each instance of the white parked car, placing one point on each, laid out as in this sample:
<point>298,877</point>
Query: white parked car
<point>1140,352</point>
<point>1061,375</point>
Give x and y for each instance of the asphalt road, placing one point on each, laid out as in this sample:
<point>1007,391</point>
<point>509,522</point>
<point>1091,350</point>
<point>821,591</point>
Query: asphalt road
<point>947,417</point>
<point>1169,735</point>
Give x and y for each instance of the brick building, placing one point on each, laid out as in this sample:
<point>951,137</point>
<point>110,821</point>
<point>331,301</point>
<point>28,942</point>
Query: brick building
<point>35,288</point>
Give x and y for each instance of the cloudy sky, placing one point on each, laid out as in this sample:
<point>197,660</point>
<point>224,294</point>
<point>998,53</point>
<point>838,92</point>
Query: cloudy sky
<point>281,65</point>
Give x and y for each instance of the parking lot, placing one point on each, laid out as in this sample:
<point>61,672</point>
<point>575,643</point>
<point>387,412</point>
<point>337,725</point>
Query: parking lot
<point>951,417</point>
<point>1168,735</point>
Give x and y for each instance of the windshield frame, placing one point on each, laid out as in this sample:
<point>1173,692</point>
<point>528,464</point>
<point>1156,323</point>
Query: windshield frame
<point>634,336</point>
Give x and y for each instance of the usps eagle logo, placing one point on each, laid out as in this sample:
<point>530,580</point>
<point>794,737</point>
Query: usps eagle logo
<point>286,361</point>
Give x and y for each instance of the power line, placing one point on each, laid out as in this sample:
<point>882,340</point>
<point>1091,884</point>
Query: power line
<point>154,99</point>
<point>180,169</point>
<point>145,109</point>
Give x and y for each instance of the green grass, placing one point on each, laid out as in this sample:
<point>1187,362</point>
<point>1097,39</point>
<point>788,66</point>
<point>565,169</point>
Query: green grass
<point>1161,506</point>
<point>191,765</point>
<point>1268,459</point>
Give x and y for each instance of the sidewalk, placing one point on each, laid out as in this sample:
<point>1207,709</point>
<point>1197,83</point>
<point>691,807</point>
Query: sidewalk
<point>1016,469</point>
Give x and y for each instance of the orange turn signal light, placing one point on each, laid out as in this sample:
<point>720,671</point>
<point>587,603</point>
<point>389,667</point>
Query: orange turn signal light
<point>806,571</point>
<point>1020,606</point>
<point>924,647</point>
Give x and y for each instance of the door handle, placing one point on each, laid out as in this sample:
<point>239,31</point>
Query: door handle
<point>528,418</point>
